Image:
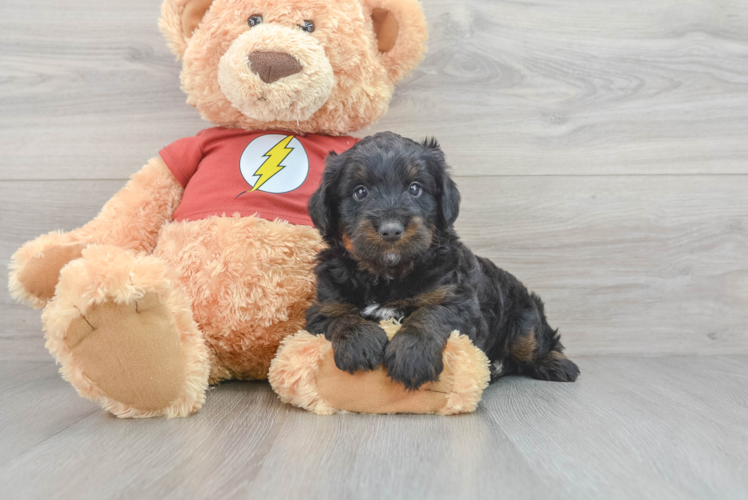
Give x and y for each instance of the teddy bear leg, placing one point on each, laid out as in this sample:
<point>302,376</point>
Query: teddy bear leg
<point>122,329</point>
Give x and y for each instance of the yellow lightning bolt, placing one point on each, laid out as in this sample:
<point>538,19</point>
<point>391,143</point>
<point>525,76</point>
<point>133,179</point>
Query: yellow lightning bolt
<point>272,165</point>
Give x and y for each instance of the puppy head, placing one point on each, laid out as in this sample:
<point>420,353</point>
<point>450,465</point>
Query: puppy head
<point>386,200</point>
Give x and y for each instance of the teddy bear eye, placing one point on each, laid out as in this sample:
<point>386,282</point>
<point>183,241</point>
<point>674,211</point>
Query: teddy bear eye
<point>254,20</point>
<point>415,189</point>
<point>360,193</point>
<point>308,26</point>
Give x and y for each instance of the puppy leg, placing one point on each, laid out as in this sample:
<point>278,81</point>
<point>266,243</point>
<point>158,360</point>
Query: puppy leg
<point>357,344</point>
<point>414,355</point>
<point>537,351</point>
<point>554,366</point>
<point>541,356</point>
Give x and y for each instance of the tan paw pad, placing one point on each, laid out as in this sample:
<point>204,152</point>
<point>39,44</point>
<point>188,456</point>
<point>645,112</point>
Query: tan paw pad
<point>131,352</point>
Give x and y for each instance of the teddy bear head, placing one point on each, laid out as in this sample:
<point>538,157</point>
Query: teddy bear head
<point>305,66</point>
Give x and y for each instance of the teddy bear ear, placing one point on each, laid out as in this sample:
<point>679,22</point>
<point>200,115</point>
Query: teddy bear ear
<point>179,18</point>
<point>401,33</point>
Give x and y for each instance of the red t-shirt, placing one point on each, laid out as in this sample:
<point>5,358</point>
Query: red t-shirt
<point>268,174</point>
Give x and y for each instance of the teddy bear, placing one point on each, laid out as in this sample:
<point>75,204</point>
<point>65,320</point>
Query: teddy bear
<point>197,269</point>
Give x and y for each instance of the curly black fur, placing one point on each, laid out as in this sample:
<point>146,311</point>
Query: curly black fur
<point>419,272</point>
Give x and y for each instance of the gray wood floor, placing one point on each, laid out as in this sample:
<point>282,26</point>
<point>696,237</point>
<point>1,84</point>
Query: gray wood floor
<point>631,427</point>
<point>602,152</point>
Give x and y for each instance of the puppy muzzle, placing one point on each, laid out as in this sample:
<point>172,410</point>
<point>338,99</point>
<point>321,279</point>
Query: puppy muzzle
<point>384,245</point>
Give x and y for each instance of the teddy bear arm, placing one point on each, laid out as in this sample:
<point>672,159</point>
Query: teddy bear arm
<point>304,374</point>
<point>131,219</point>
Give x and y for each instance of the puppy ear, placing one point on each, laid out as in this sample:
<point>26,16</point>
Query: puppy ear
<point>448,195</point>
<point>449,201</point>
<point>324,201</point>
<point>179,19</point>
<point>400,31</point>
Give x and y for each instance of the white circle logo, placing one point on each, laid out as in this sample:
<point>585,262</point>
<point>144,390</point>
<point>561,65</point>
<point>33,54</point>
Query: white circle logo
<point>274,163</point>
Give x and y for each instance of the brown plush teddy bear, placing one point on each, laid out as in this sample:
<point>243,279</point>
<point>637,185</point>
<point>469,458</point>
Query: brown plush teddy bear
<point>197,269</point>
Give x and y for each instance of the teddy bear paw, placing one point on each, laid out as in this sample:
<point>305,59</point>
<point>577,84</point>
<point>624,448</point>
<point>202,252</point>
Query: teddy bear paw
<point>131,352</point>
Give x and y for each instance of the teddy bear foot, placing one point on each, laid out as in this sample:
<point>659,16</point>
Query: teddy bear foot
<point>130,351</point>
<point>131,344</point>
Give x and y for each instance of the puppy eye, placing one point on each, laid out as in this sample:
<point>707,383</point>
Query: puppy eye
<point>308,26</point>
<point>415,189</point>
<point>360,193</point>
<point>254,20</point>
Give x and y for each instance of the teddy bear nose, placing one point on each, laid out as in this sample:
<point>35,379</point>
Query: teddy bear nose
<point>272,66</point>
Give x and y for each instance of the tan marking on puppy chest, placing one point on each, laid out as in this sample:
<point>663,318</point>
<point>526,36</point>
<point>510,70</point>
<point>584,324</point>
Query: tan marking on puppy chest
<point>347,243</point>
<point>525,347</point>
<point>337,309</point>
<point>435,297</point>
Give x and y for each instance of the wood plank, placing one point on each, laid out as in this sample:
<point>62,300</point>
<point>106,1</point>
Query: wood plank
<point>15,372</point>
<point>612,435</point>
<point>21,338</point>
<point>29,209</point>
<point>625,264</point>
<point>90,91</point>
<point>625,430</point>
<point>526,87</point>
<point>39,405</point>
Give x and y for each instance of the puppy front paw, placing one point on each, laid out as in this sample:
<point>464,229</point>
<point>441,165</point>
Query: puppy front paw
<point>361,347</point>
<point>413,360</point>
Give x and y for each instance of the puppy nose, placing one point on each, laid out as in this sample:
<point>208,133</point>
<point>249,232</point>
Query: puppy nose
<point>272,66</point>
<point>391,230</point>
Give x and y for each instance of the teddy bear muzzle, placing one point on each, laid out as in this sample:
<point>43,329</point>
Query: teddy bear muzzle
<point>273,72</point>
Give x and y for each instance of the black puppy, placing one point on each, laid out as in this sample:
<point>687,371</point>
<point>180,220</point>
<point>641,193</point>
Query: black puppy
<point>386,208</point>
